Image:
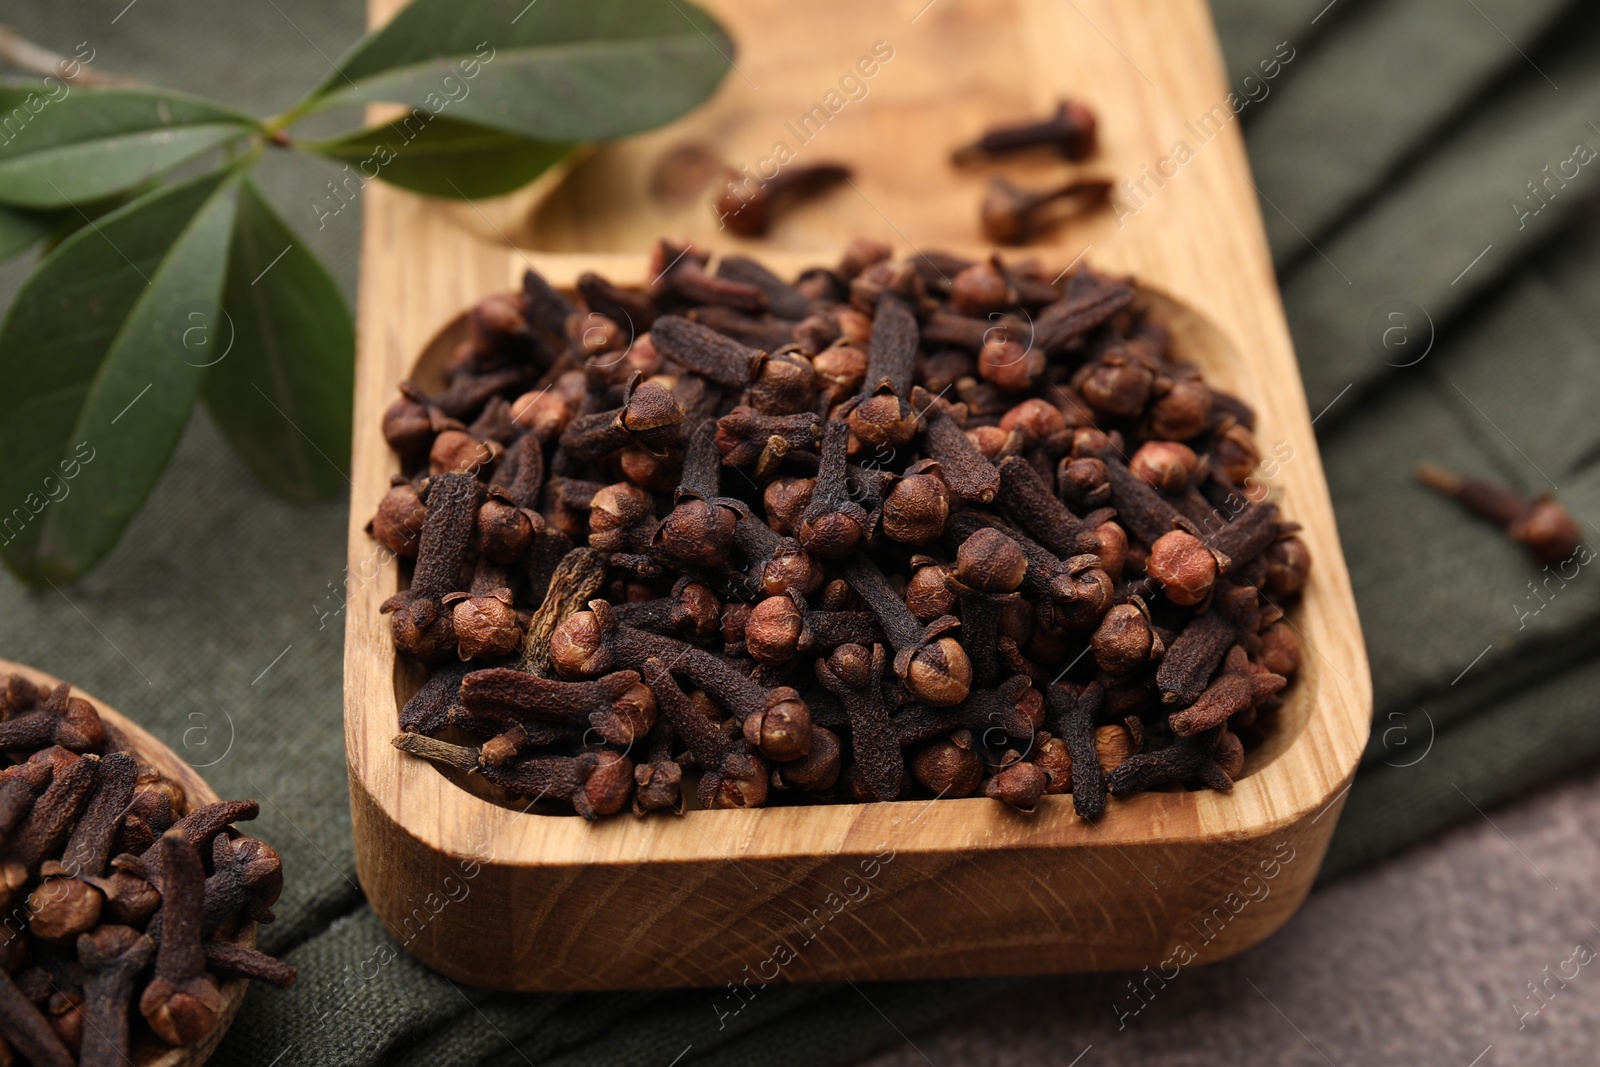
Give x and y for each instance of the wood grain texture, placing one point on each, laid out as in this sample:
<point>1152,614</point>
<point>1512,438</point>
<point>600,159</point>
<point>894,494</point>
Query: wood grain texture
<point>127,736</point>
<point>497,898</point>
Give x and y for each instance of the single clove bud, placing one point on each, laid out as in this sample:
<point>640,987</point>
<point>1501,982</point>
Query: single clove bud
<point>971,478</point>
<point>916,508</point>
<point>27,1030</point>
<point>182,1003</point>
<point>112,958</point>
<point>949,767</point>
<point>1072,714</point>
<point>747,205</point>
<point>833,524</point>
<point>617,707</point>
<point>989,569</point>
<point>1241,686</point>
<point>593,783</point>
<point>1013,216</point>
<point>934,667</point>
<point>743,434</point>
<point>237,961</point>
<point>1070,130</point>
<point>735,777</point>
<point>781,626</point>
<point>853,673</point>
<point>1542,524</point>
<point>783,300</point>
<point>649,417</point>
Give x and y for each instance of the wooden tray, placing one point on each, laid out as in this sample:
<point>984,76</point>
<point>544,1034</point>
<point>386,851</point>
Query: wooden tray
<point>493,897</point>
<point>126,736</point>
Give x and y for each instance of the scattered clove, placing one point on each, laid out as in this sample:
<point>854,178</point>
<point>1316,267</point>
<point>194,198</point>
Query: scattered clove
<point>1013,216</point>
<point>1543,525</point>
<point>1070,130</point>
<point>746,205</point>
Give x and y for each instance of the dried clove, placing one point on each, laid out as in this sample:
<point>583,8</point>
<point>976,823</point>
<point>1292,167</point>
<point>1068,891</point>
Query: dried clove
<point>1543,525</point>
<point>112,959</point>
<point>182,1003</point>
<point>593,783</point>
<point>833,524</point>
<point>1072,714</point>
<point>934,667</point>
<point>616,706</point>
<point>1013,216</point>
<point>1070,130</point>
<point>854,674</point>
<point>649,417</point>
<point>679,273</point>
<point>747,205</point>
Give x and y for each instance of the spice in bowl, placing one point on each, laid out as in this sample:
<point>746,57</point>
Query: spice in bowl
<point>920,528</point>
<point>130,903</point>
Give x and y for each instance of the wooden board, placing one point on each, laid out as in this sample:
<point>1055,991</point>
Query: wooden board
<point>497,898</point>
<point>127,736</point>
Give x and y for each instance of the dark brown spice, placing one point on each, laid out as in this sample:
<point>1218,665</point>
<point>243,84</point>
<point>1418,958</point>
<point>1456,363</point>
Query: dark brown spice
<point>112,958</point>
<point>970,476</point>
<point>854,675</point>
<point>860,398</point>
<point>1026,500</point>
<point>182,1003</point>
<point>833,524</point>
<point>26,1028</point>
<point>616,706</point>
<point>1070,130</point>
<point>649,417</point>
<point>783,299</point>
<point>237,961</point>
<point>747,205</point>
<point>623,307</point>
<point>1065,323</point>
<point>1542,524</point>
<point>1072,714</point>
<point>706,352</point>
<point>1013,216</point>
<point>679,272</point>
<point>934,668</point>
<point>743,434</point>
<point>1190,660</point>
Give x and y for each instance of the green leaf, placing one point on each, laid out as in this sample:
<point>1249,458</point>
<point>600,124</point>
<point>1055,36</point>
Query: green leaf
<point>554,70</point>
<point>282,393</point>
<point>98,382</point>
<point>444,157</point>
<point>85,144</point>
<point>21,229</point>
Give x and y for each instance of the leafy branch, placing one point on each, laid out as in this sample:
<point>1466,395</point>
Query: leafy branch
<point>156,290</point>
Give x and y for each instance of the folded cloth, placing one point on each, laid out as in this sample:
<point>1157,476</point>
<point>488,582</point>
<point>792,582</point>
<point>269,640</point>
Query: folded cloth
<point>1392,153</point>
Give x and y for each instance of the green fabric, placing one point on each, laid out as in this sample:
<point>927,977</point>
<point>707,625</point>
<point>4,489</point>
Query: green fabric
<point>1387,153</point>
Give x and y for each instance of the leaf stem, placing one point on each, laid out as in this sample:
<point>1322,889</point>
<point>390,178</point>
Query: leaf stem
<point>275,125</point>
<point>37,59</point>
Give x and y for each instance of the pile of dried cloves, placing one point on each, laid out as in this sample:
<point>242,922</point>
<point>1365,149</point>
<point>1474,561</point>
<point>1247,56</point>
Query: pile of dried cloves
<point>931,527</point>
<point>119,904</point>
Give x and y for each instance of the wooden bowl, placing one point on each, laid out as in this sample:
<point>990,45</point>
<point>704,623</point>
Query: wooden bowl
<point>495,897</point>
<point>127,736</point>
